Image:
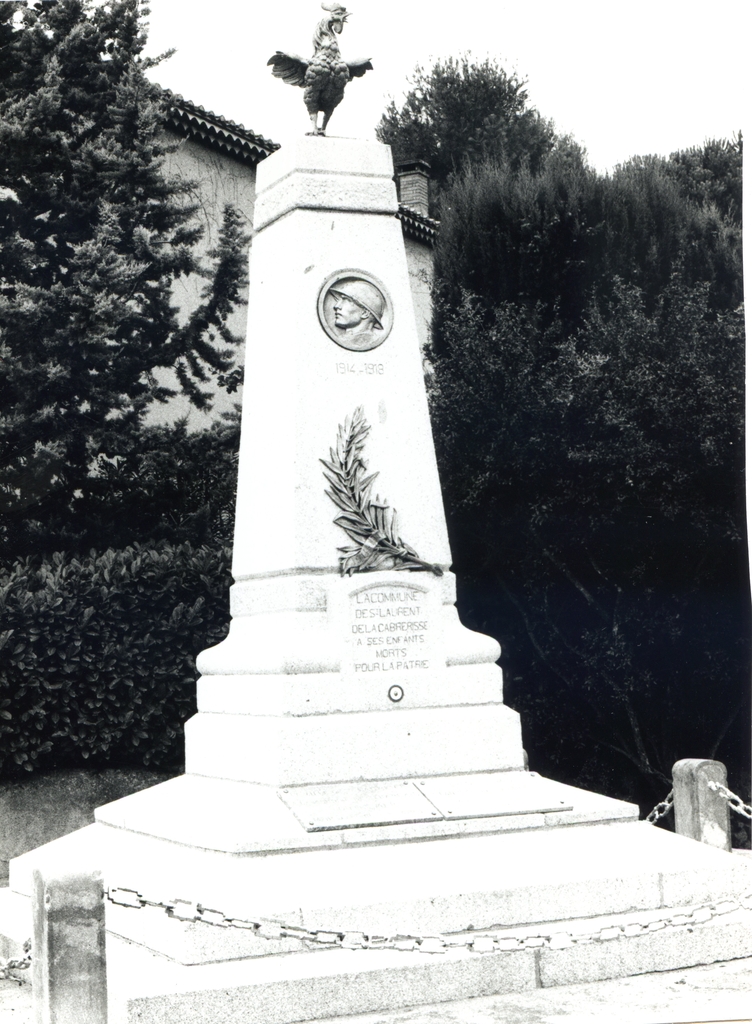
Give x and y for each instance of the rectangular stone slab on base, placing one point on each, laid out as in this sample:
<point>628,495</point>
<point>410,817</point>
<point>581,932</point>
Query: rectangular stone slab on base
<point>536,882</point>
<point>242,817</point>
<point>335,984</point>
<point>487,795</point>
<point>426,888</point>
<point>414,742</point>
<point>431,887</point>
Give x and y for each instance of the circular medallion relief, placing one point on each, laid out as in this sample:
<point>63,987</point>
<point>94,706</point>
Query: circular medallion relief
<point>355,310</point>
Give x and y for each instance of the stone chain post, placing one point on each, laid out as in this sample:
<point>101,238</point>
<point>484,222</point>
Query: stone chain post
<point>701,812</point>
<point>69,971</point>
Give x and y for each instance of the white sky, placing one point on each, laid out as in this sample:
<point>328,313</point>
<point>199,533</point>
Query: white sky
<point>625,77</point>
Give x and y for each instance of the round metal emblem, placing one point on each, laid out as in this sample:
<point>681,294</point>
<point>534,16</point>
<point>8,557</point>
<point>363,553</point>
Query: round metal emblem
<point>396,693</point>
<point>355,310</point>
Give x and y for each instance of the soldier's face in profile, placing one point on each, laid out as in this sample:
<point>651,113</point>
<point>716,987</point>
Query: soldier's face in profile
<point>347,313</point>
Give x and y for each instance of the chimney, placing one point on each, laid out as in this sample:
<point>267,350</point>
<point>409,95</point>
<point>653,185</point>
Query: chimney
<point>412,185</point>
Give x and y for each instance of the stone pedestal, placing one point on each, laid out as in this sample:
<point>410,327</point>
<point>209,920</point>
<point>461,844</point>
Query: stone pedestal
<point>325,678</point>
<point>348,705</point>
<point>352,764</point>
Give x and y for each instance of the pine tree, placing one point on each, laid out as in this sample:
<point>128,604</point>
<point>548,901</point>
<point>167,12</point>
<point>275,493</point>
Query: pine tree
<point>461,112</point>
<point>94,234</point>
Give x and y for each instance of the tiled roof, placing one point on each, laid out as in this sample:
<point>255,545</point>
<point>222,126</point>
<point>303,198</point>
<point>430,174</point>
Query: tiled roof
<point>215,131</point>
<point>235,140</point>
<point>415,225</point>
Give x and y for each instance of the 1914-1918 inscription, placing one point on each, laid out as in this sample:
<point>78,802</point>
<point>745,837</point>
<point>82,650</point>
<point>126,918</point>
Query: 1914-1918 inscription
<point>389,629</point>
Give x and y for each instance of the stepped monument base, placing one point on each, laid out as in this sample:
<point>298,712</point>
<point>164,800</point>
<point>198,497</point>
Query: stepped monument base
<point>352,771</point>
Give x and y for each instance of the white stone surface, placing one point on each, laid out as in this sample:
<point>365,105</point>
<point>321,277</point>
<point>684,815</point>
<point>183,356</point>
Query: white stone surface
<point>324,693</point>
<point>305,624</point>
<point>238,817</point>
<point>712,993</point>
<point>301,385</point>
<point>426,888</point>
<point>308,154</point>
<point>343,175</point>
<point>656,951</point>
<point>349,655</point>
<point>715,993</point>
<point>338,648</point>
<point>393,743</point>
<point>283,989</point>
<point>433,886</point>
<point>321,191</point>
<point>386,985</point>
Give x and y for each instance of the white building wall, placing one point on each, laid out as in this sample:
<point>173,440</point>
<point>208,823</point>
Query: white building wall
<point>219,180</point>
<point>420,267</point>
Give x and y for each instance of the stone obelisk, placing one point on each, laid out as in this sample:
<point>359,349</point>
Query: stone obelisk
<point>348,706</point>
<point>352,764</point>
<point>341,665</point>
<point>352,769</point>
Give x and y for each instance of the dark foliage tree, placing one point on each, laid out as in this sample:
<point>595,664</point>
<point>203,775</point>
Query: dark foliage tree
<point>712,173</point>
<point>170,485</point>
<point>657,219</point>
<point>594,488</point>
<point>557,236</point>
<point>520,236</point>
<point>99,654</point>
<point>94,234</point>
<point>461,112</point>
<point>587,367</point>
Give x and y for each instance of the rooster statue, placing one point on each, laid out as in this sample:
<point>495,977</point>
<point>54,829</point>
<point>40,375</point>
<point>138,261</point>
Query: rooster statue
<point>326,74</point>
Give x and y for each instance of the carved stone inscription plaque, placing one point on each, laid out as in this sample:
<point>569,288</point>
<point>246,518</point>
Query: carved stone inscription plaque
<point>391,630</point>
<point>355,310</point>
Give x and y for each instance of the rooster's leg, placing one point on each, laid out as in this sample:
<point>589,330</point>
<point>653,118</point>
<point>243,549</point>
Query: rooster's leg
<point>325,122</point>
<point>315,122</point>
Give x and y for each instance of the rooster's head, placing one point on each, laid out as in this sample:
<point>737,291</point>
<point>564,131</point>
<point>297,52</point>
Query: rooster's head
<point>339,15</point>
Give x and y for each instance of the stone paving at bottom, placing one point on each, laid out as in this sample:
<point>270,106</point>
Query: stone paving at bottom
<point>718,993</point>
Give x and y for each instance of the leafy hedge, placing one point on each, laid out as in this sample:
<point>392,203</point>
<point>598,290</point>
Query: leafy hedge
<point>97,654</point>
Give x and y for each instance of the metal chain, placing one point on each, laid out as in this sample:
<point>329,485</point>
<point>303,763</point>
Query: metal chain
<point>16,965</point>
<point>512,938</point>
<point>735,802</point>
<point>186,910</point>
<point>661,810</point>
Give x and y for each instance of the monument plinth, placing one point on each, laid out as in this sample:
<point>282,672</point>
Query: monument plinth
<point>352,764</point>
<point>341,666</point>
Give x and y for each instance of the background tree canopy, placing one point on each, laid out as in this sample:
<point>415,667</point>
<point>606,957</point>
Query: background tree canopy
<point>461,111</point>
<point>94,235</point>
<point>587,399</point>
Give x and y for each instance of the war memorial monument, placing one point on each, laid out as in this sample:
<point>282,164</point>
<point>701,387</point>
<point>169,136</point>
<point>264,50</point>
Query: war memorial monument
<point>356,828</point>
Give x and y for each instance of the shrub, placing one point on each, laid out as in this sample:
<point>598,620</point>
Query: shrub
<point>594,493</point>
<point>97,654</point>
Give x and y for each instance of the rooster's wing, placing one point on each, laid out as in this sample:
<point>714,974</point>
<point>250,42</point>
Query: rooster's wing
<point>289,67</point>
<point>358,68</point>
